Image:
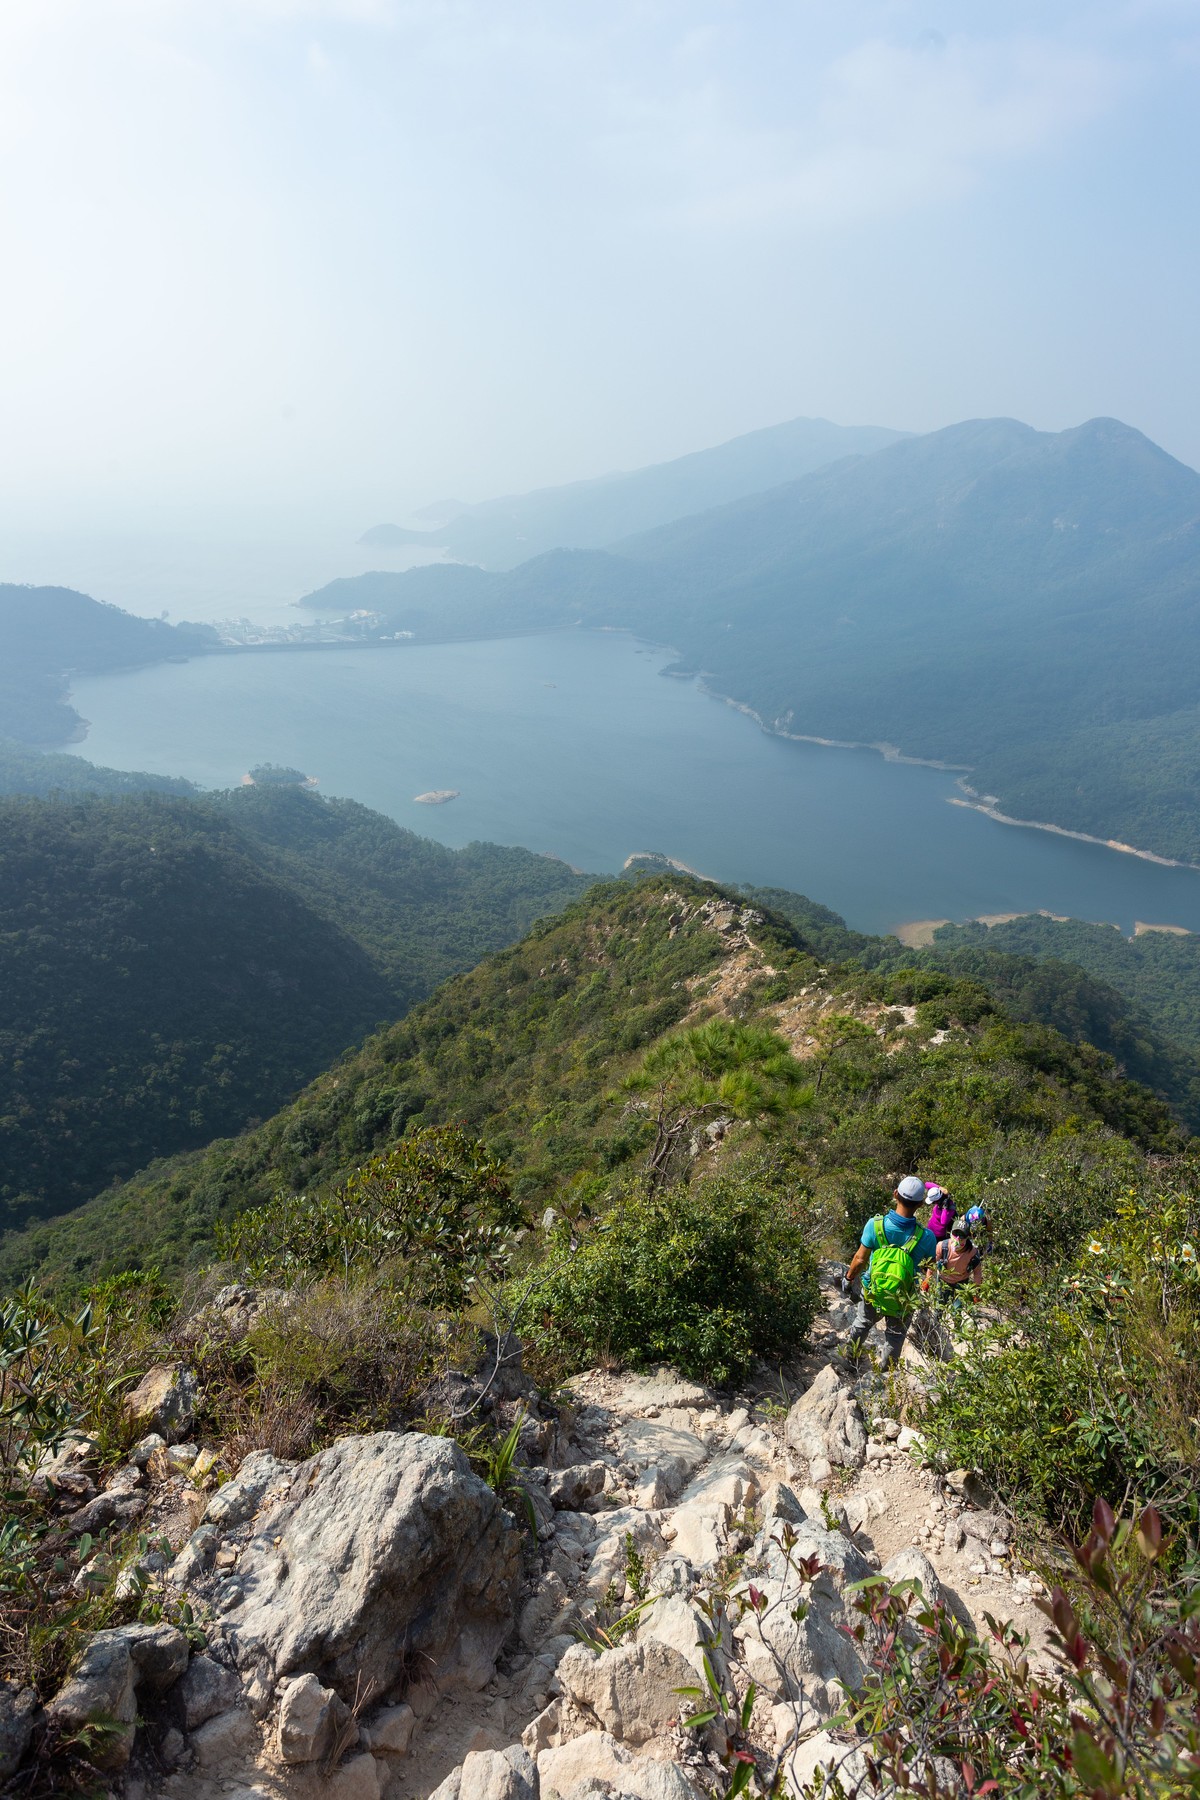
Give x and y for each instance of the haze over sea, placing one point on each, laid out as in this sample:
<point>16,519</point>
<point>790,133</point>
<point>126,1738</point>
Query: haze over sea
<point>574,744</point>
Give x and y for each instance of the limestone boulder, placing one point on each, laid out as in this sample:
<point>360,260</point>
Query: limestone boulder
<point>509,1774</point>
<point>18,1711</point>
<point>261,1478</point>
<point>911,1564</point>
<point>599,1760</point>
<point>164,1401</point>
<point>387,1557</point>
<point>664,1444</point>
<point>107,1677</point>
<point>206,1690</point>
<point>678,1622</point>
<point>786,1655</point>
<point>825,1423</point>
<point>310,1717</point>
<point>630,1692</point>
<point>569,1488</point>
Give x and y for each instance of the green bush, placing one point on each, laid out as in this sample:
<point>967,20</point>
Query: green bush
<point>1092,1386</point>
<point>705,1277</point>
<point>437,1208</point>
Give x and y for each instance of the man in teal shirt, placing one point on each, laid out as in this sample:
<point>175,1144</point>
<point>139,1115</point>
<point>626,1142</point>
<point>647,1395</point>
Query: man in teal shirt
<point>900,1227</point>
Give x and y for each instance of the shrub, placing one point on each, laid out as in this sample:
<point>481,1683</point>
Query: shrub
<point>435,1208</point>
<point>341,1356</point>
<point>704,1277</point>
<point>720,1067</point>
<point>1094,1385</point>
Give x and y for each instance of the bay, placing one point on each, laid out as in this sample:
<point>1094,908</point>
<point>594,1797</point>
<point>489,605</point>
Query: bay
<point>575,744</point>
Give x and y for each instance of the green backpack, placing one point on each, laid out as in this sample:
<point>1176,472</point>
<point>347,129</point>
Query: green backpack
<point>892,1275</point>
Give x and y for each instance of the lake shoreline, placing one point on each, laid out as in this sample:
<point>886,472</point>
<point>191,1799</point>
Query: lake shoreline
<point>982,803</point>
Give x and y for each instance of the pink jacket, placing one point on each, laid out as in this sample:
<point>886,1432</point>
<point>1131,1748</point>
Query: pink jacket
<point>941,1218</point>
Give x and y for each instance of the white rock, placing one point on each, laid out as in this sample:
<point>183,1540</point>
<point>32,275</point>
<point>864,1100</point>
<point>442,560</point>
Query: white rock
<point>700,1533</point>
<point>630,1692</point>
<point>650,1493</point>
<point>387,1551</point>
<point>230,1735</point>
<point>914,1565</point>
<point>910,1439</point>
<point>499,1775</point>
<point>390,1730</point>
<point>675,1621</point>
<point>598,1757</point>
<point>309,1718</point>
<point>676,1452</point>
<point>727,1481</point>
<point>357,1779</point>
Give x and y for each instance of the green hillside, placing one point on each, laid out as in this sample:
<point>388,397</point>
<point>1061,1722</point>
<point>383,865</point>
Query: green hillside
<point>45,772</point>
<point>1158,971</point>
<point>529,1051</point>
<point>586,514</point>
<point>173,968</point>
<point>1021,603</point>
<point>48,633</point>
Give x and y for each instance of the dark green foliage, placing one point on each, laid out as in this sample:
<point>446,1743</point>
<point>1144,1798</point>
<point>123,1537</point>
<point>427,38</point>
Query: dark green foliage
<point>705,1278</point>
<point>173,969</point>
<point>437,1209</point>
<point>1091,1383</point>
<point>1158,971</point>
<point>41,773</point>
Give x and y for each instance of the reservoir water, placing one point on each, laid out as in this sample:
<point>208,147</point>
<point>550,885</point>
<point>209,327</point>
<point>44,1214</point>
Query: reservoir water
<point>575,744</point>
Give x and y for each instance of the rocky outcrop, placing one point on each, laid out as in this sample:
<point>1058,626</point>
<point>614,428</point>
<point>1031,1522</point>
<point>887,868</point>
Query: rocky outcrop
<point>164,1401</point>
<point>631,1692</point>
<point>106,1680</point>
<point>825,1428</point>
<point>18,1710</point>
<point>388,1563</point>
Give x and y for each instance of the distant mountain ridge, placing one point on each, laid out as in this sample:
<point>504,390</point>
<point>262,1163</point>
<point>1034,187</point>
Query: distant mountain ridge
<point>587,514</point>
<point>1023,603</point>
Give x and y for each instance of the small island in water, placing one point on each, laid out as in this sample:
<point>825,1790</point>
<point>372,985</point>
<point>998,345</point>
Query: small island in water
<point>276,775</point>
<point>436,797</point>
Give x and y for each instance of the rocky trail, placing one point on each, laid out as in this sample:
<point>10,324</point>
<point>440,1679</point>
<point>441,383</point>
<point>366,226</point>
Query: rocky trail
<point>374,1624</point>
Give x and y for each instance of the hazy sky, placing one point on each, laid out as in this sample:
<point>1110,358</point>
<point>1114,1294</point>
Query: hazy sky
<point>347,256</point>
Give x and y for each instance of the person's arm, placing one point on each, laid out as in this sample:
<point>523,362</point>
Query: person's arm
<point>862,1255</point>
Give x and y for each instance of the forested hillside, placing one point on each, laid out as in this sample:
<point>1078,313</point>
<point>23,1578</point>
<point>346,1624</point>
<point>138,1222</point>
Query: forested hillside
<point>47,633</point>
<point>1021,603</point>
<point>44,772</point>
<point>1158,970</point>
<point>529,1051</point>
<point>173,968</point>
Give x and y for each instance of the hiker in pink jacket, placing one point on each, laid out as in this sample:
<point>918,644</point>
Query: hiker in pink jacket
<point>941,1211</point>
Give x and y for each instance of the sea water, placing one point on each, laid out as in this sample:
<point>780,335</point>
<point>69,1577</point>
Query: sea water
<point>576,744</point>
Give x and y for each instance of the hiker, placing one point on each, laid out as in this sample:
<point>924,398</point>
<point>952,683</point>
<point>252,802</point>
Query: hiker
<point>892,1249</point>
<point>941,1210</point>
<point>956,1262</point>
<point>980,1227</point>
